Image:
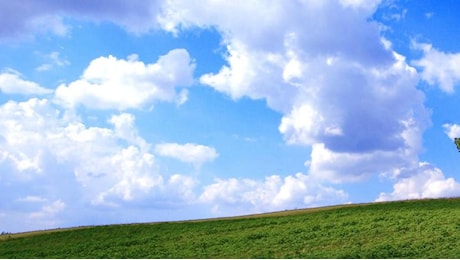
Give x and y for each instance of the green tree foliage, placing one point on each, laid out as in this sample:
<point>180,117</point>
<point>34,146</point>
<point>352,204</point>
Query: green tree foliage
<point>457,143</point>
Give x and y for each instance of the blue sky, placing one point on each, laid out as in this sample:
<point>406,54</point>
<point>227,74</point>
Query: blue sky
<point>136,111</point>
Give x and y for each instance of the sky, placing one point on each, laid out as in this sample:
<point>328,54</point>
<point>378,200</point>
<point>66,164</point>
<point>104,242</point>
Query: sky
<point>119,111</point>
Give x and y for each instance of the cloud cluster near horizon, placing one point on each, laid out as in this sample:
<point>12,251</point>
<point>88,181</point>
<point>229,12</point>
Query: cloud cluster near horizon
<point>297,56</point>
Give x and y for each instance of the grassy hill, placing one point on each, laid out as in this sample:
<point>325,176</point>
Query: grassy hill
<point>403,229</point>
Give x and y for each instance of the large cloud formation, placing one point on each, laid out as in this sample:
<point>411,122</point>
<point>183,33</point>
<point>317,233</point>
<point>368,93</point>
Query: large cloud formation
<point>340,86</point>
<point>64,165</point>
<point>342,91</point>
<point>58,160</point>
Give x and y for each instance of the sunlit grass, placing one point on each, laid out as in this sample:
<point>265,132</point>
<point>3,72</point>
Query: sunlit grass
<point>405,229</point>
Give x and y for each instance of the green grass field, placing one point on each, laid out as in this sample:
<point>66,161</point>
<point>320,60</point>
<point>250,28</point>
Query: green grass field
<point>404,229</point>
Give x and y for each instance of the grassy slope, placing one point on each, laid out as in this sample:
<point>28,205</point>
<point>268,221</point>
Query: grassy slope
<point>406,229</point>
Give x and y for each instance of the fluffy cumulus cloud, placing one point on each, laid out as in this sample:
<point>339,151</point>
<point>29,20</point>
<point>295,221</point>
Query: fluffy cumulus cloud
<point>452,130</point>
<point>20,134</point>
<point>66,164</point>
<point>69,166</point>
<point>427,182</point>
<point>136,16</point>
<point>111,83</point>
<point>195,154</point>
<point>270,53</point>
<point>238,196</point>
<point>11,82</point>
<point>350,104</point>
<point>439,68</point>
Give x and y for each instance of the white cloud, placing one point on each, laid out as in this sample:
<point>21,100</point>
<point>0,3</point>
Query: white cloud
<point>53,59</point>
<point>339,167</point>
<point>195,154</point>
<point>57,171</point>
<point>48,216</point>
<point>452,130</point>
<point>181,188</point>
<point>390,11</point>
<point>136,16</point>
<point>12,83</point>
<point>47,23</point>
<point>426,181</point>
<point>131,176</point>
<point>243,196</point>
<point>249,68</point>
<point>42,146</point>
<point>32,199</point>
<point>375,121</point>
<point>342,166</point>
<point>20,132</point>
<point>124,128</point>
<point>111,83</point>
<point>439,68</point>
<point>352,102</point>
<point>49,211</point>
<point>370,5</point>
<point>110,172</point>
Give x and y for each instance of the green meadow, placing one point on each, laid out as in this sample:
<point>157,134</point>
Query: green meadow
<point>403,229</point>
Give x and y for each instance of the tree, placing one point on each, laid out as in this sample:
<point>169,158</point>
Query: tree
<point>457,143</point>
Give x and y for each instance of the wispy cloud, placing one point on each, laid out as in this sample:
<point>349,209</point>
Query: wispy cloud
<point>52,60</point>
<point>47,16</point>
<point>438,68</point>
<point>195,154</point>
<point>11,82</point>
